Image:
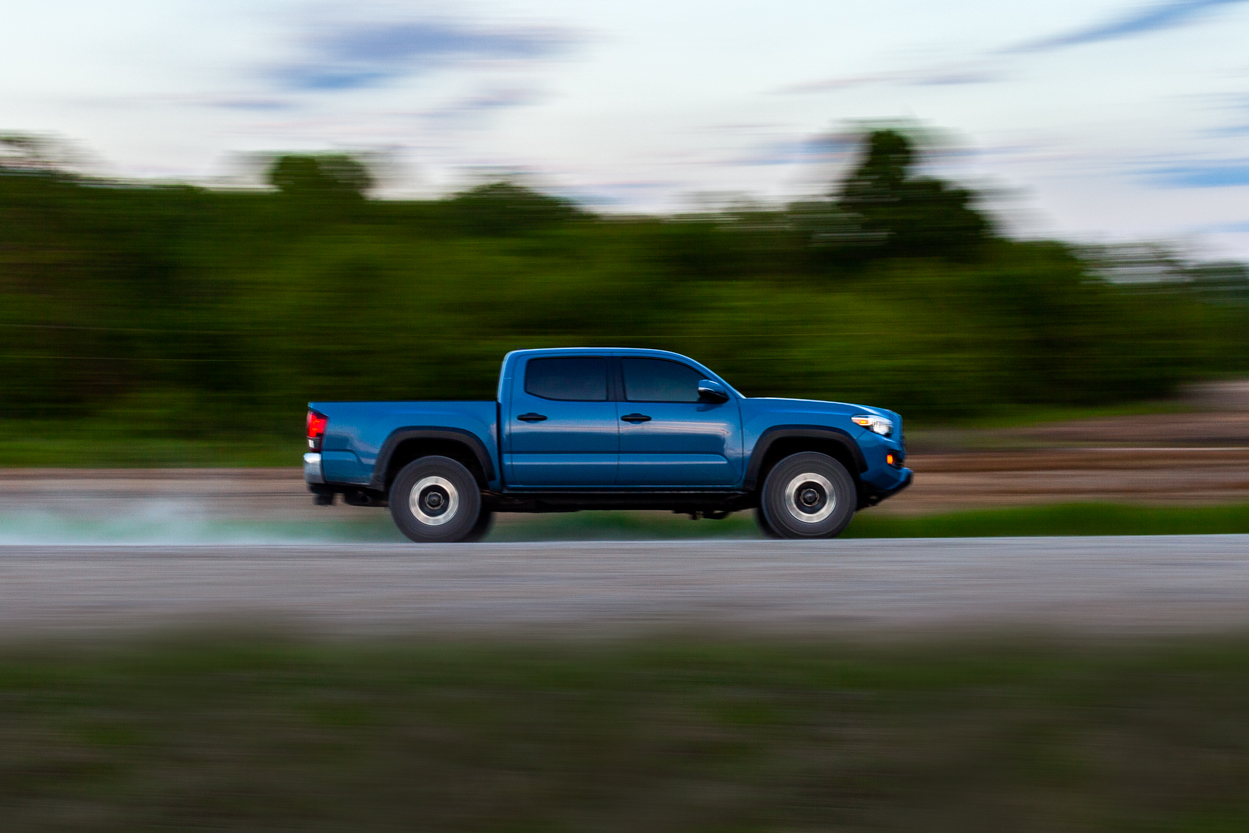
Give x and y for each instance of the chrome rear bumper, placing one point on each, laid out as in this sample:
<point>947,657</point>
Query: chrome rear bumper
<point>312,468</point>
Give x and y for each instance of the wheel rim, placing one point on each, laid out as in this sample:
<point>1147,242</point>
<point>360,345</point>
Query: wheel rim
<point>810,498</point>
<point>434,500</point>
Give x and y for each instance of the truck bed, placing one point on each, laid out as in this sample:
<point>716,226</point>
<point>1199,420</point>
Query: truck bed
<point>356,431</point>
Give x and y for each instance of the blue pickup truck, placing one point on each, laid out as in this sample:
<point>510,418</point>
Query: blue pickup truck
<point>606,429</point>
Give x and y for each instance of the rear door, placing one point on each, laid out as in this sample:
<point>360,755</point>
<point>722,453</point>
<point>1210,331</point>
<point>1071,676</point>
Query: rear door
<point>562,423</point>
<point>668,438</point>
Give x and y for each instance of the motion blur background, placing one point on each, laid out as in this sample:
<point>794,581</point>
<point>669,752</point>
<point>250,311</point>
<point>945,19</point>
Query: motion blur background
<point>1023,226</point>
<point>953,212</point>
<point>189,312</point>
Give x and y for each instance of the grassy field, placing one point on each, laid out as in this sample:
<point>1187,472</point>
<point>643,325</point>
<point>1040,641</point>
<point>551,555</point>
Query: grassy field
<point>95,444</point>
<point>248,735</point>
<point>1063,519</point>
<point>157,525</point>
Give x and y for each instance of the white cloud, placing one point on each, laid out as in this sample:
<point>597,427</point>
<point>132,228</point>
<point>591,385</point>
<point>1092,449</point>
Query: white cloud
<point>646,102</point>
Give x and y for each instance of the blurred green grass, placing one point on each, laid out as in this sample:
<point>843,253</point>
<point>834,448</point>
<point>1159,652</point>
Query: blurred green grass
<point>100,443</point>
<point>245,734</point>
<point>1062,519</point>
<point>163,524</point>
<point>1059,519</point>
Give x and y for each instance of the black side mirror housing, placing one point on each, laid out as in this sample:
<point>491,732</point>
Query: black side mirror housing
<point>709,391</point>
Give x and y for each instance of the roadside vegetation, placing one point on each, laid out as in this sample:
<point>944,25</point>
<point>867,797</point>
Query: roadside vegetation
<point>233,733</point>
<point>145,526</point>
<point>167,324</point>
<point>1062,519</point>
<point>1044,520</point>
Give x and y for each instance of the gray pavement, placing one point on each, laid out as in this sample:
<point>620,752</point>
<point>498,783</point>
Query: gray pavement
<point>1123,585</point>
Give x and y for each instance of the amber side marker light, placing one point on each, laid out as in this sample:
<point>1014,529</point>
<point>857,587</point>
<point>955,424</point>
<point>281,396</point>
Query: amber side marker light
<point>889,459</point>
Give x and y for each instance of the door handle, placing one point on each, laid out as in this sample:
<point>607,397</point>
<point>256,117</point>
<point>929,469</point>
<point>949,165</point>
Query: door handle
<point>636,418</point>
<point>531,417</point>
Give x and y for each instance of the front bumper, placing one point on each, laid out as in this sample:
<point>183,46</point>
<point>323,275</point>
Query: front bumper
<point>873,494</point>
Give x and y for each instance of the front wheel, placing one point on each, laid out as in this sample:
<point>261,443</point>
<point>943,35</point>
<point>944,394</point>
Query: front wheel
<point>808,495</point>
<point>435,500</point>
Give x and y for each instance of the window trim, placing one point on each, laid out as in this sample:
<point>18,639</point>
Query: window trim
<point>608,390</point>
<point>624,391</point>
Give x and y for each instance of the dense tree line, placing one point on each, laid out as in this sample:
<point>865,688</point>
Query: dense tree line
<point>180,310</point>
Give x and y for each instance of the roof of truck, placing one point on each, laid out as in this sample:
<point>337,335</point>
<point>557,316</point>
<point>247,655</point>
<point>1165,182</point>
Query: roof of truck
<point>601,351</point>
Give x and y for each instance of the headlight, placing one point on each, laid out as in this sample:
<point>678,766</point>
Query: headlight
<point>879,424</point>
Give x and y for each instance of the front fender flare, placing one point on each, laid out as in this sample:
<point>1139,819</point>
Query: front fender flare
<point>823,433</point>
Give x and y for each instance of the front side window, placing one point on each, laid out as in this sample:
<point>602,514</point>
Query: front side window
<point>569,380</point>
<point>659,380</point>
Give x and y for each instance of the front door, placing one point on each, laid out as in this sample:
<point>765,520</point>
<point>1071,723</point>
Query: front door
<point>668,438</point>
<point>562,424</point>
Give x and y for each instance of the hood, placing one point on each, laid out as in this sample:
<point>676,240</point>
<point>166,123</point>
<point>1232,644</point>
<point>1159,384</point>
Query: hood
<point>772,408</point>
<point>823,406</point>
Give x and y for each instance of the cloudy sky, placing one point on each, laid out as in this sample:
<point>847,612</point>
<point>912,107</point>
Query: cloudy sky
<point>1099,120</point>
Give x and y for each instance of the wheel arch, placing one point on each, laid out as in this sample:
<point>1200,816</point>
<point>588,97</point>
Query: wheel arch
<point>780,441</point>
<point>411,443</point>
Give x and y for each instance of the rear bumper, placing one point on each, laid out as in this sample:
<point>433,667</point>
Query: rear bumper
<point>324,492</point>
<point>313,475</point>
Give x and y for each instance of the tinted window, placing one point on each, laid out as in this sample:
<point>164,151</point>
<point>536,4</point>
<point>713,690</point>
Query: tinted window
<point>583,380</point>
<point>657,380</point>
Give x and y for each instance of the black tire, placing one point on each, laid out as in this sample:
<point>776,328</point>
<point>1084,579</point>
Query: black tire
<point>808,495</point>
<point>435,500</point>
<point>768,531</point>
<point>485,521</point>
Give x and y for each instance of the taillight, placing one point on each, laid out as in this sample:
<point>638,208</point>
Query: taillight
<point>316,430</point>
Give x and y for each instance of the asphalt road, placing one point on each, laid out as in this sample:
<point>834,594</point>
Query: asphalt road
<point>1106,585</point>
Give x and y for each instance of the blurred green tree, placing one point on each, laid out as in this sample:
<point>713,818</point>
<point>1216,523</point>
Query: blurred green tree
<point>320,176</point>
<point>893,213</point>
<point>505,208</point>
<point>28,153</point>
<point>192,310</point>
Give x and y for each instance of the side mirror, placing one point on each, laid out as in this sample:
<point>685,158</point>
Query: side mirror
<point>709,391</point>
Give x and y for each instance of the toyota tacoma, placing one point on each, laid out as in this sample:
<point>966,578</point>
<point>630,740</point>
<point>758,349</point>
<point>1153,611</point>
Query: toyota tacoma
<point>599,428</point>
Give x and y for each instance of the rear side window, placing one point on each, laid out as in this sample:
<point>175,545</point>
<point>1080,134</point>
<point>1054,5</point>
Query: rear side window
<point>574,380</point>
<point>659,380</point>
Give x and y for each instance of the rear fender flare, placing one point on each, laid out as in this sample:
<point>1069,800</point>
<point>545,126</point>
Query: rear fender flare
<point>401,435</point>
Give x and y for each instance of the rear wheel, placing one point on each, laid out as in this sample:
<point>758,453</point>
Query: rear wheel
<point>485,522</point>
<point>764,527</point>
<point>808,495</point>
<point>436,500</point>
